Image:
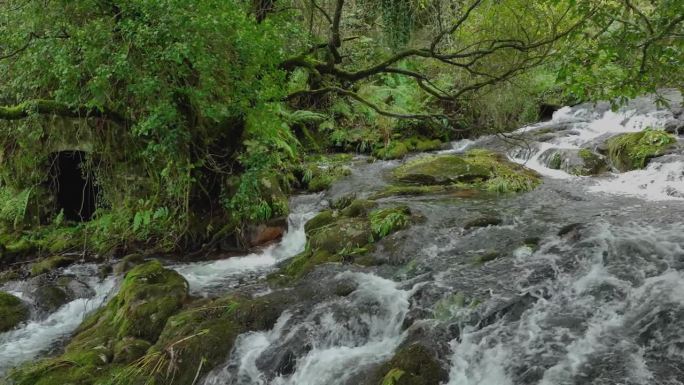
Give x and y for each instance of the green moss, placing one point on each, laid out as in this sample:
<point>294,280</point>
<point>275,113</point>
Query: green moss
<point>322,219</point>
<point>318,173</point>
<point>343,236</point>
<point>389,220</point>
<point>401,147</point>
<point>49,264</point>
<point>358,208</point>
<point>12,311</point>
<point>505,176</point>
<point>480,169</point>
<point>633,150</point>
<point>149,294</point>
<point>117,333</point>
<point>412,365</point>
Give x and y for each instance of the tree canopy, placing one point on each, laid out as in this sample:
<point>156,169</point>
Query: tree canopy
<point>202,105</point>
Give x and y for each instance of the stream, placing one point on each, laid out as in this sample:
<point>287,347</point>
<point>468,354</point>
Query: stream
<point>584,283</point>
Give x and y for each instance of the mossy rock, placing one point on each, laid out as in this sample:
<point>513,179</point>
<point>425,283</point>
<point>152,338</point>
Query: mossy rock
<point>358,208</point>
<point>322,219</point>
<point>412,365</point>
<point>632,151</point>
<point>343,236</point>
<point>12,311</point>
<point>201,337</point>
<point>116,333</point>
<point>480,169</point>
<point>440,170</point>
<point>345,233</point>
<point>318,173</point>
<point>582,162</point>
<point>483,221</point>
<point>49,264</point>
<point>149,295</point>
<point>401,147</point>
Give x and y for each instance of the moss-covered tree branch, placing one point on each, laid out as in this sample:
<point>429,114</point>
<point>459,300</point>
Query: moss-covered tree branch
<point>49,107</point>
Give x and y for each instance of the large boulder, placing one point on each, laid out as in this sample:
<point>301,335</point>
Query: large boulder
<point>12,311</point>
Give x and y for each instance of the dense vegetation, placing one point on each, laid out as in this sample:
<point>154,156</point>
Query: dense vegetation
<point>198,117</point>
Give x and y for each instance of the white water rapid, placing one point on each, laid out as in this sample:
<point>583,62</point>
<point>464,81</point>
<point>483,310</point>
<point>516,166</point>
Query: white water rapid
<point>38,335</point>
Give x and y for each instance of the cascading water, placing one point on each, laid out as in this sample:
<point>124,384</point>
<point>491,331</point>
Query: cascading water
<point>342,338</point>
<point>39,334</point>
<point>220,275</point>
<point>577,282</point>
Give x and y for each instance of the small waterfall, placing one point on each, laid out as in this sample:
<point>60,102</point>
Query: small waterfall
<point>227,273</point>
<point>330,345</point>
<point>39,335</point>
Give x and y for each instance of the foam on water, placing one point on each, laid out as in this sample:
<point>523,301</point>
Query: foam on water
<point>658,181</point>
<point>345,335</point>
<point>599,322</point>
<point>584,124</point>
<point>37,336</point>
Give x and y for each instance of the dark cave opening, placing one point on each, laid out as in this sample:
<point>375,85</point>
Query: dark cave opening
<point>73,185</point>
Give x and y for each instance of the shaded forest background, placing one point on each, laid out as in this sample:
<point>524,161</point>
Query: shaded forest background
<point>194,120</point>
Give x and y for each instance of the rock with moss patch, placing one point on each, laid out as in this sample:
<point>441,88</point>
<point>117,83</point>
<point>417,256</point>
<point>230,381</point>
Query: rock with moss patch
<point>343,236</point>
<point>201,337</point>
<point>319,172</point>
<point>12,311</point>
<point>399,148</point>
<point>149,295</point>
<point>49,264</point>
<point>575,161</point>
<point>483,221</point>
<point>479,169</point>
<point>632,151</point>
<point>412,365</point>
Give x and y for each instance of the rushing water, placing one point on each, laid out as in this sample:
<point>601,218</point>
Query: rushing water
<point>218,276</point>
<point>585,286</point>
<point>40,333</point>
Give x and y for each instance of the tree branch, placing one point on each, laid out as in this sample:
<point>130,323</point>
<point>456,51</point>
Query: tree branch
<point>49,107</point>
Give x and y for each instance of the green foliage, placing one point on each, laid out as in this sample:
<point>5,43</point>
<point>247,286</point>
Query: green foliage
<point>386,221</point>
<point>600,61</point>
<point>633,150</point>
<point>13,205</point>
